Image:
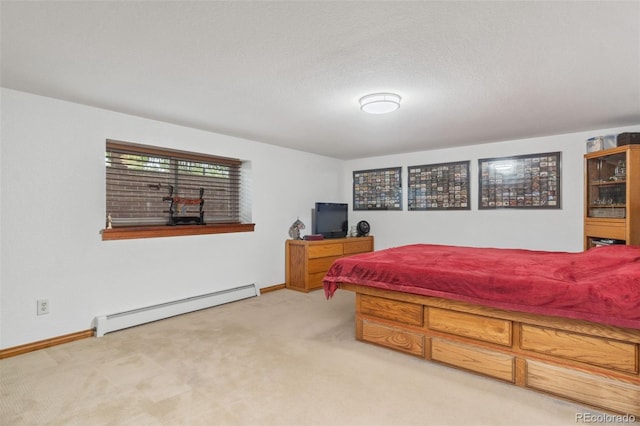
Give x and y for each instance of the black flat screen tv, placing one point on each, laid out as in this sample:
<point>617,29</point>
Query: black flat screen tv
<point>331,220</point>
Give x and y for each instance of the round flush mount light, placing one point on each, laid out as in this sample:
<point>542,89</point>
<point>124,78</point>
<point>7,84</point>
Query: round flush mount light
<point>380,103</point>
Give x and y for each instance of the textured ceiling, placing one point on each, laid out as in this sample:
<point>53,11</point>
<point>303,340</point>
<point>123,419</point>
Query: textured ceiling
<point>291,73</point>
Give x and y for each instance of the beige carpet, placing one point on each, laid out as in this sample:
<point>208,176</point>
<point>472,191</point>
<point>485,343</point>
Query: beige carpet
<point>284,358</point>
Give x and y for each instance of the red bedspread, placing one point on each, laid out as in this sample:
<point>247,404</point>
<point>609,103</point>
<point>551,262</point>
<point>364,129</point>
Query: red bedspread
<point>600,285</point>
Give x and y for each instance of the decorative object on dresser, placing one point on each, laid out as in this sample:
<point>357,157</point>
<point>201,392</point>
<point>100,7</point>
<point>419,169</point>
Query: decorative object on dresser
<point>363,228</point>
<point>295,228</point>
<point>612,196</point>
<point>306,262</point>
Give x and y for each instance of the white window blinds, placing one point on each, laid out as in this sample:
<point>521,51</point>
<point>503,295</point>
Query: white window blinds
<point>156,186</point>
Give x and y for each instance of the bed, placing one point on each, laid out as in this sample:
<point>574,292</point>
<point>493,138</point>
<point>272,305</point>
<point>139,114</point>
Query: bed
<point>567,324</point>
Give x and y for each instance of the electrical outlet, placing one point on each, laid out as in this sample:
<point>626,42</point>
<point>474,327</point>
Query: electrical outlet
<point>43,306</point>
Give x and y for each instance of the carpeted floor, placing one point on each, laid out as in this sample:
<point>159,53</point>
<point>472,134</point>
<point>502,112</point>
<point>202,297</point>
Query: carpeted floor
<point>284,358</point>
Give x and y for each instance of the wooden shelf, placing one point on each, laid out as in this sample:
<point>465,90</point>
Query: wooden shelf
<point>598,167</point>
<point>132,232</point>
<point>608,183</point>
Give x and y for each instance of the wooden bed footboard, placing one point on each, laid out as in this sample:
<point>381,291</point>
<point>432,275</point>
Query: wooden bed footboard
<point>592,364</point>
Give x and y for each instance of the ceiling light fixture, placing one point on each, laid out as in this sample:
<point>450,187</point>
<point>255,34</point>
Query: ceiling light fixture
<point>380,103</point>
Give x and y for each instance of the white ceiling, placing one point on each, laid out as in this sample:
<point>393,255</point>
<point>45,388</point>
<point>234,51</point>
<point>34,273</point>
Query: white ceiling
<point>291,73</point>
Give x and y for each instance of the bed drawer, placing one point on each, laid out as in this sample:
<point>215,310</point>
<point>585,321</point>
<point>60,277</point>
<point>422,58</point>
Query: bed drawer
<point>584,387</point>
<point>477,327</point>
<point>324,250</point>
<point>494,364</point>
<point>578,347</point>
<point>394,338</point>
<point>394,310</point>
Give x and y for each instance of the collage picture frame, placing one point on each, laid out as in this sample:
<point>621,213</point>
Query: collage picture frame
<point>377,189</point>
<point>443,186</point>
<point>529,181</point>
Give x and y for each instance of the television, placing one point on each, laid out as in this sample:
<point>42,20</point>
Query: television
<point>330,220</point>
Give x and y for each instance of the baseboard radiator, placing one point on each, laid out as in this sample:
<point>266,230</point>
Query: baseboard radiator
<point>107,323</point>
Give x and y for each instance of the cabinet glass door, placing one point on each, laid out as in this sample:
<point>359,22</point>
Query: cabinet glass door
<point>607,186</point>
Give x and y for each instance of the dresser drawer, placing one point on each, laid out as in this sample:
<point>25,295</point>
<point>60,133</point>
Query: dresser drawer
<point>358,246</point>
<point>324,250</point>
<point>321,264</point>
<point>315,280</point>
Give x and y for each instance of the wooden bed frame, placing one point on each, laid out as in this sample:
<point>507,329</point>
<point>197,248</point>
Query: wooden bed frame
<point>592,364</point>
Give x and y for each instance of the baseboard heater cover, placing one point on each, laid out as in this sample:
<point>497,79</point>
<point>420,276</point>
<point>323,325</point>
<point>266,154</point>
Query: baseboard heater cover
<point>107,323</point>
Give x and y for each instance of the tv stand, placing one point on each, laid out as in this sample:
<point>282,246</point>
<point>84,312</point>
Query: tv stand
<point>307,262</point>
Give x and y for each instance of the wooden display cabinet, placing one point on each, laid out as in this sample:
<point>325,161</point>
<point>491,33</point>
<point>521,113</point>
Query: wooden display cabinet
<point>307,262</point>
<point>612,196</point>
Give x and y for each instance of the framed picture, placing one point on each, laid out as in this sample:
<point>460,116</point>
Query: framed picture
<point>523,181</point>
<point>443,186</point>
<point>379,189</point>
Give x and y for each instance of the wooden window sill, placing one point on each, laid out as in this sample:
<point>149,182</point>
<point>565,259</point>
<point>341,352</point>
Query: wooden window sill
<point>132,232</point>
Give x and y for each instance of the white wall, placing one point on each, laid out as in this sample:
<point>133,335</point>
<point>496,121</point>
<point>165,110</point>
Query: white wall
<point>551,229</point>
<point>53,207</point>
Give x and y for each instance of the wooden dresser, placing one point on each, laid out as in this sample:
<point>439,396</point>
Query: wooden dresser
<point>307,262</point>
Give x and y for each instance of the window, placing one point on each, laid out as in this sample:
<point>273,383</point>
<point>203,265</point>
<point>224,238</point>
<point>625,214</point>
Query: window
<point>159,192</point>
